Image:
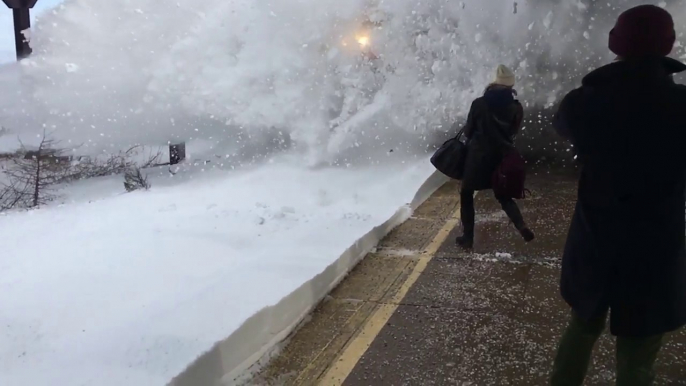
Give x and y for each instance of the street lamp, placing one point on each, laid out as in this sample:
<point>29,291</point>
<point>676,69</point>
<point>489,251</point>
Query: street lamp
<point>22,22</point>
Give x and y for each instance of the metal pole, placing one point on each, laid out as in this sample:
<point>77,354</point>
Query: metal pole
<point>22,22</point>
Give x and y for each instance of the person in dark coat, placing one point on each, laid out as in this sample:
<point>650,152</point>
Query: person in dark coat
<point>493,121</point>
<point>625,252</point>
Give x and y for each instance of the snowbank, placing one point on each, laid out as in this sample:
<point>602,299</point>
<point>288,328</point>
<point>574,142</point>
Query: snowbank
<point>233,360</point>
<point>129,289</point>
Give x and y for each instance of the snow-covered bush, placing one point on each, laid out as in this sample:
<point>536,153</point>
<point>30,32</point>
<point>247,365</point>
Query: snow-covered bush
<point>31,176</point>
<point>111,164</point>
<point>135,180</point>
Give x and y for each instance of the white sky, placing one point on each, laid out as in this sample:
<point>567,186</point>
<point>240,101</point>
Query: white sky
<point>7,30</point>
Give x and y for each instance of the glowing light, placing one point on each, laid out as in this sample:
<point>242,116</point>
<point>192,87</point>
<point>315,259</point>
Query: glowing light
<point>363,41</point>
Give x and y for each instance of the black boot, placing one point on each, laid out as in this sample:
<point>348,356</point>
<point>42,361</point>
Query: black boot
<point>526,233</point>
<point>465,241</point>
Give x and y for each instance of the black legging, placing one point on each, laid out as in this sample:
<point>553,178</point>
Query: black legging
<point>467,211</point>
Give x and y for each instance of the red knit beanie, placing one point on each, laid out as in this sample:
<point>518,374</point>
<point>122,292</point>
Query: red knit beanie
<point>645,30</point>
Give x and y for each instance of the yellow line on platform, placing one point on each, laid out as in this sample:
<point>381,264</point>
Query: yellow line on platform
<point>346,362</point>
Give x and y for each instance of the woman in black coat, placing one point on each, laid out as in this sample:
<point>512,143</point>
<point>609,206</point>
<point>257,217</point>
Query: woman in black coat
<point>494,120</point>
<point>625,253</point>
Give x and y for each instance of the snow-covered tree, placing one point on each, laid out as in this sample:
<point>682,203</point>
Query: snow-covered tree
<point>31,177</point>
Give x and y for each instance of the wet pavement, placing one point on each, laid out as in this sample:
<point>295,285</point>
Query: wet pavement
<point>491,317</point>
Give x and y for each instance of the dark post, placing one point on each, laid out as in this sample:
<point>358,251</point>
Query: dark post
<point>177,153</point>
<point>22,22</point>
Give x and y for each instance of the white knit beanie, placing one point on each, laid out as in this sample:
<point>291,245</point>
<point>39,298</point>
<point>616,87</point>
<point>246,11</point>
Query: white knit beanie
<point>504,76</point>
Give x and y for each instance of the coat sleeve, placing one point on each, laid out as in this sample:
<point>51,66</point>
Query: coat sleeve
<point>568,116</point>
<point>518,119</point>
<point>469,125</point>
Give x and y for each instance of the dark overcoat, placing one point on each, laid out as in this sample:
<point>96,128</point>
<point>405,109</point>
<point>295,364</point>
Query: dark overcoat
<point>493,121</point>
<point>625,249</point>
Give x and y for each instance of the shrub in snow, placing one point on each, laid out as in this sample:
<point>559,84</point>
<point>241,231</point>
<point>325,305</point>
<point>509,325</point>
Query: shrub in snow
<point>135,180</point>
<point>31,175</point>
<point>117,163</point>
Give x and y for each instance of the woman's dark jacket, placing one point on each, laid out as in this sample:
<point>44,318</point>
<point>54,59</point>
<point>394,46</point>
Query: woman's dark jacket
<point>494,119</point>
<point>625,249</point>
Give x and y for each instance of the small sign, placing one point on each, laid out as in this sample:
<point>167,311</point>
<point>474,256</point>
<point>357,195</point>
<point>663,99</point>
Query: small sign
<point>177,153</point>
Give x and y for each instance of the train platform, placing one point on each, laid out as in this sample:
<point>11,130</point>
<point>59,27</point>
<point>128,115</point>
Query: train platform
<point>420,311</point>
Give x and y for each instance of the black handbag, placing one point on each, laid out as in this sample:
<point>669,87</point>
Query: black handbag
<point>450,158</point>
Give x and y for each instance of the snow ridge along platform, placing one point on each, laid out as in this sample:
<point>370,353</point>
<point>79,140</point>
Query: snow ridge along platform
<point>232,361</point>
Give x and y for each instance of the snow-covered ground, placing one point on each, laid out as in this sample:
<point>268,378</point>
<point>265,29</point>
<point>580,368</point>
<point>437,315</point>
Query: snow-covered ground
<point>128,289</point>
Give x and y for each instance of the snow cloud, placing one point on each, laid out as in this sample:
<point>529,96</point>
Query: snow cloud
<point>110,73</point>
